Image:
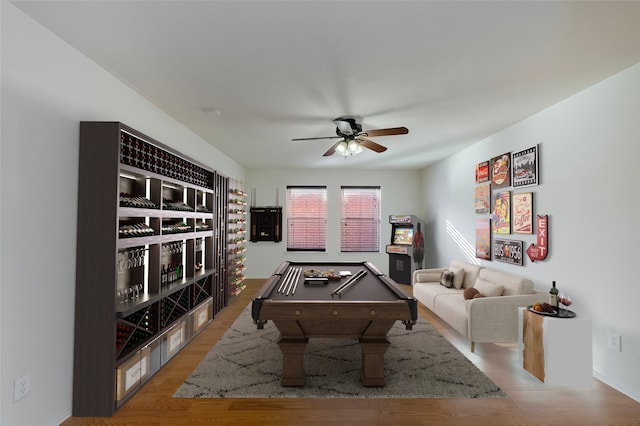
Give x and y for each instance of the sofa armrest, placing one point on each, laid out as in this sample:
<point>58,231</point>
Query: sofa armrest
<point>427,275</point>
<point>495,319</point>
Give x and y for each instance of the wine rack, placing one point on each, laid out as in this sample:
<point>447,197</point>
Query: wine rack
<point>151,260</point>
<point>135,330</point>
<point>237,236</point>
<point>136,152</point>
<point>174,307</point>
<point>201,291</point>
<point>221,249</point>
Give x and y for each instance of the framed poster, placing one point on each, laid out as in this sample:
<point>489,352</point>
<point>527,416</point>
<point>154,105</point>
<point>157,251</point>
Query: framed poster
<point>483,239</point>
<point>525,167</point>
<point>482,172</point>
<point>482,198</point>
<point>522,213</point>
<point>501,213</point>
<point>501,171</point>
<point>509,251</point>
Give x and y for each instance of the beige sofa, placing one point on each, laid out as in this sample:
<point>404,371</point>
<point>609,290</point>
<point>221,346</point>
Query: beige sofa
<point>492,318</point>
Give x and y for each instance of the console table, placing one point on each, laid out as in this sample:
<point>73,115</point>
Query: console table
<point>556,350</point>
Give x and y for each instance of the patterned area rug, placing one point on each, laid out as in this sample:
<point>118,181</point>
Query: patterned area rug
<point>420,363</point>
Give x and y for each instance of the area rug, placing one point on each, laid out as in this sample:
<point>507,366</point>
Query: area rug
<point>420,363</point>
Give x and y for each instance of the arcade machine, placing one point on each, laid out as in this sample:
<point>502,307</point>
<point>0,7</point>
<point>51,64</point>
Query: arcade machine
<point>406,251</point>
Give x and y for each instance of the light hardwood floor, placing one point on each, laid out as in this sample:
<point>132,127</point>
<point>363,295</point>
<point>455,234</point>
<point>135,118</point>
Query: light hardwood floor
<point>530,402</point>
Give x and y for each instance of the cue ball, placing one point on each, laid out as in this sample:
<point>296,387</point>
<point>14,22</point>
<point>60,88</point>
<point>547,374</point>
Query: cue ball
<point>373,313</point>
<point>335,312</point>
<point>297,313</point>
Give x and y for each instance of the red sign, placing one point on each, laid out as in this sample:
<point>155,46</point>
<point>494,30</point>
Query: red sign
<point>539,252</point>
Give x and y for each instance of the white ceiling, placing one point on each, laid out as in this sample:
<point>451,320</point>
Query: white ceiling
<point>453,72</point>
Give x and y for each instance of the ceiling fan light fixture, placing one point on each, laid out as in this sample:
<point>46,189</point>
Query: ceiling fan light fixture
<point>342,148</point>
<point>354,147</point>
<point>348,148</point>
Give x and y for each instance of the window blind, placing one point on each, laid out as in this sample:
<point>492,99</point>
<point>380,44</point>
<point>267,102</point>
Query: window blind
<point>360,219</point>
<point>306,218</point>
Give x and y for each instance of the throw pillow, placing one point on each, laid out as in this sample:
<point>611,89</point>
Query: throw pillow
<point>487,288</point>
<point>446,279</point>
<point>458,277</point>
<point>478,296</point>
<point>470,293</point>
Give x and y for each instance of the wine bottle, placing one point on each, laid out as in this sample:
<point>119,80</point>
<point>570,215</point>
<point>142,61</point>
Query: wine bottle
<point>553,295</point>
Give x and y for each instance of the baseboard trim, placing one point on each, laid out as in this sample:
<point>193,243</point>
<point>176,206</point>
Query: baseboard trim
<point>617,386</point>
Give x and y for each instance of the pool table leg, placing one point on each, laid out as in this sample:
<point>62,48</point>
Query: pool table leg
<point>373,361</point>
<point>292,361</point>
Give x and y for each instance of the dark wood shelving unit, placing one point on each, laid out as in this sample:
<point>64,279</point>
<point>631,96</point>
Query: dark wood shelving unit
<point>147,279</point>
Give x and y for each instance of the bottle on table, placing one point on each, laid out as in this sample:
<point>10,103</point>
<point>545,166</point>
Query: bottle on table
<point>553,295</point>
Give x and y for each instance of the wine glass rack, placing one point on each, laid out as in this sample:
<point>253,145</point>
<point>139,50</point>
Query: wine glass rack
<point>152,267</point>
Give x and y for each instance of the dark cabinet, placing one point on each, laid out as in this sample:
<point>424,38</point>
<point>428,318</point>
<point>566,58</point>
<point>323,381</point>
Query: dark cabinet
<point>151,257</point>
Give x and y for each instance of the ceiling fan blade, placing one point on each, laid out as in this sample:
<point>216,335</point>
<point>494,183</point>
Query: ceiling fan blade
<point>387,132</point>
<point>332,150</point>
<point>368,143</point>
<point>315,139</point>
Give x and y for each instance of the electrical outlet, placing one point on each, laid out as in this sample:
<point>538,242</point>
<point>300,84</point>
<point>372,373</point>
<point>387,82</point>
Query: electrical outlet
<point>614,342</point>
<point>21,387</point>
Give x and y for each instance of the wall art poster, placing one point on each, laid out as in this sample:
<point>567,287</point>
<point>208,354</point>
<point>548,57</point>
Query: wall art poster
<point>501,171</point>
<point>509,251</point>
<point>482,172</point>
<point>501,214</point>
<point>522,213</point>
<point>525,167</point>
<point>483,239</point>
<point>483,198</point>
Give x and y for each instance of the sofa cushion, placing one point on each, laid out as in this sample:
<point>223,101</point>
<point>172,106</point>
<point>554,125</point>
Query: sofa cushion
<point>458,276</point>
<point>488,289</point>
<point>469,293</point>
<point>452,309</point>
<point>427,275</point>
<point>470,272</point>
<point>428,293</point>
<point>446,279</point>
<point>513,285</point>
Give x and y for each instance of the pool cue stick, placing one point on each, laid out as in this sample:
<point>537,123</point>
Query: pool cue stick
<point>349,281</point>
<point>295,281</point>
<point>287,289</point>
<point>286,283</point>
<point>336,290</point>
<point>352,283</point>
<point>284,280</point>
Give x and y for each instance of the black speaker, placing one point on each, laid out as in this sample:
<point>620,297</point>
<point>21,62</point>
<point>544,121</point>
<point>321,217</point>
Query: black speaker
<point>266,224</point>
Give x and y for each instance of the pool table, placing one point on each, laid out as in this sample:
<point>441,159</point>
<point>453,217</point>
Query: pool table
<point>306,307</point>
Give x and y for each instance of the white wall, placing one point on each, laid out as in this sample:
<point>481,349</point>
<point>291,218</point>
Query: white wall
<point>47,89</point>
<point>589,159</point>
<point>400,195</point>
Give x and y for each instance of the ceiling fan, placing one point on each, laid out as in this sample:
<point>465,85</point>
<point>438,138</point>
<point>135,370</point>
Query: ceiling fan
<point>349,129</point>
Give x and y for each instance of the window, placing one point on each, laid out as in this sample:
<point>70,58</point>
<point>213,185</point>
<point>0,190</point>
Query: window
<point>360,219</point>
<point>306,218</point>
